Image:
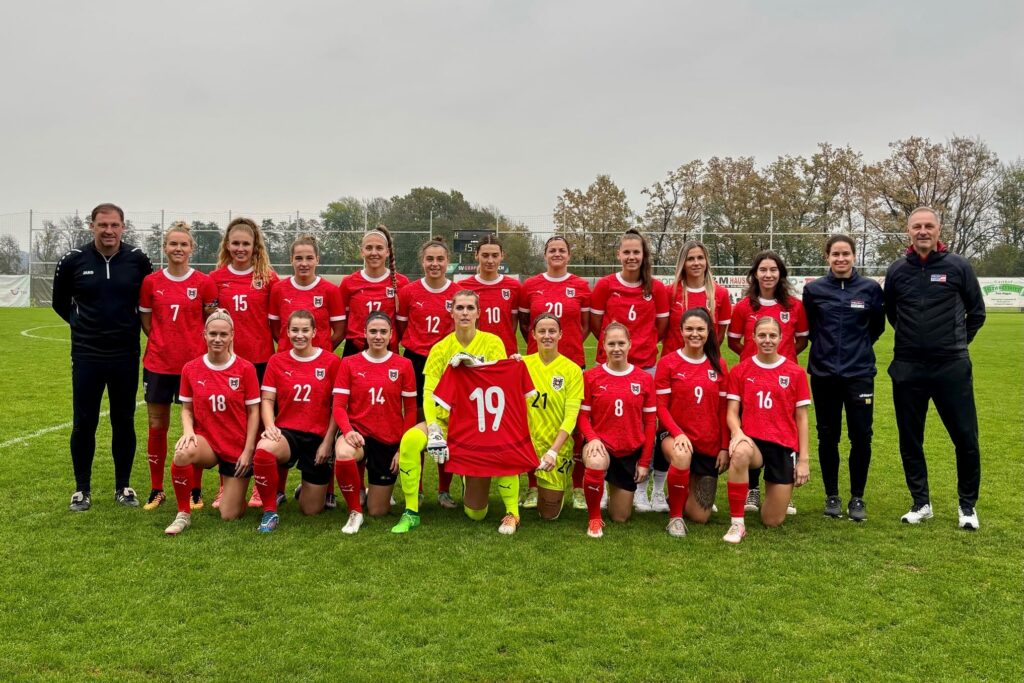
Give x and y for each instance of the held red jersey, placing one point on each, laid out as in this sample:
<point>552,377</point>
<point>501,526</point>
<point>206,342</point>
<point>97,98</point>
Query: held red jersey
<point>248,302</point>
<point>220,396</point>
<point>362,295</point>
<point>319,297</point>
<point>303,389</point>
<point>793,322</point>
<point>499,307</point>
<point>615,403</point>
<point>625,302</point>
<point>568,298</point>
<point>176,327</point>
<point>687,298</point>
<point>376,389</point>
<point>692,400</point>
<point>488,432</point>
<point>769,397</point>
<point>426,313</point>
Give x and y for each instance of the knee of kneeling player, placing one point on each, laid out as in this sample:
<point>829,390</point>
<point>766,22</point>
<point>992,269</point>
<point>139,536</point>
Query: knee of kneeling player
<point>475,515</point>
<point>772,521</point>
<point>549,508</point>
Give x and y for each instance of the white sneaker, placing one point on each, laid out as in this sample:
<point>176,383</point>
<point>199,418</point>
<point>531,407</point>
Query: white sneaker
<point>918,513</point>
<point>509,524</point>
<point>641,502</point>
<point>968,518</point>
<point>355,520</point>
<point>530,501</point>
<point>182,521</point>
<point>753,503</point>
<point>659,503</point>
<point>735,533</point>
<point>790,507</point>
<point>676,527</point>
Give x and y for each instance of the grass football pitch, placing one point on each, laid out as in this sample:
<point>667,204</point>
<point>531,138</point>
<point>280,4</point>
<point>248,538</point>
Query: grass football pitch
<point>105,595</point>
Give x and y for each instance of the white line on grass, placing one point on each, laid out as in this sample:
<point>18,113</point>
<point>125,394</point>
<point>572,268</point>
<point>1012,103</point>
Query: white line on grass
<point>54,428</point>
<point>29,331</point>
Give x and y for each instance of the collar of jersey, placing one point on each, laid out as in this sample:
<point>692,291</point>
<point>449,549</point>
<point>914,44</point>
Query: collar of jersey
<point>307,359</point>
<point>447,284</point>
<point>305,288</point>
<point>767,302</point>
<point>476,276</point>
<point>178,278</point>
<point>247,271</point>
<point>617,373</point>
<point>367,356</point>
<point>618,276</point>
<point>382,278</point>
<point>780,361</point>
<point>557,279</point>
<point>695,290</point>
<point>690,360</point>
<point>206,360</point>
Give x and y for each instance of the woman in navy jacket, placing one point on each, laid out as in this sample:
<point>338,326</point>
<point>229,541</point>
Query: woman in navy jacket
<point>845,312</point>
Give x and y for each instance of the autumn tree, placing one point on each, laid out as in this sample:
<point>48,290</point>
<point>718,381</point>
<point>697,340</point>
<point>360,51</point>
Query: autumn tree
<point>674,210</point>
<point>10,256</point>
<point>593,219</point>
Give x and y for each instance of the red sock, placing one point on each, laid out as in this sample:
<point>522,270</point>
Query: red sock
<point>532,478</point>
<point>156,449</point>
<point>282,478</point>
<point>678,490</point>
<point>593,488</point>
<point>444,479</point>
<point>347,472</point>
<point>577,470</point>
<point>181,479</point>
<point>737,497</point>
<point>264,470</point>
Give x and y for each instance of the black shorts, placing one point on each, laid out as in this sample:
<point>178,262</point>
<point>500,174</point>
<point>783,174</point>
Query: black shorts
<point>622,470</point>
<point>303,447</point>
<point>160,389</point>
<point>700,465</point>
<point>418,364</point>
<point>779,462</point>
<point>261,368</point>
<point>226,468</point>
<point>378,456</point>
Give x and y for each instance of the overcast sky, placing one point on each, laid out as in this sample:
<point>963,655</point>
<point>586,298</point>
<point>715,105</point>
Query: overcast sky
<point>276,106</point>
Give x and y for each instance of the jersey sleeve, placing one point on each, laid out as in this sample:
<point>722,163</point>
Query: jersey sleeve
<point>402,310</point>
<point>525,381</point>
<point>663,392</point>
<point>335,309</point>
<point>660,293</point>
<point>208,293</point>
<point>732,385</point>
<point>738,321</point>
<point>517,294</point>
<point>432,371</point>
<point>585,297</point>
<point>442,394</point>
<point>146,295</point>
<point>274,307</point>
<point>408,380</point>
<point>650,409</point>
<point>573,401</point>
<point>525,295</point>
<point>599,298</point>
<point>585,425</point>
<point>251,385</point>
<point>341,391</point>
<point>723,305</point>
<point>802,330</point>
<point>185,388</point>
<point>802,390</point>
<point>270,377</point>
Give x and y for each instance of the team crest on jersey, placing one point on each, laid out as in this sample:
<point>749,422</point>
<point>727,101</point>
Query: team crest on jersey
<point>784,316</point>
<point>783,381</point>
<point>557,382</point>
<point>506,294</point>
<point>448,305</point>
<point>712,375</point>
<point>635,388</point>
<point>648,297</point>
<point>389,292</point>
<point>234,382</point>
<point>321,373</point>
<point>257,284</point>
<point>570,292</point>
<point>192,292</point>
<point>393,374</point>
<point>318,301</point>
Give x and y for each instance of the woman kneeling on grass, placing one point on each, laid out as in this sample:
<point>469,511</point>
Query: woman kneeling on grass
<point>771,393</point>
<point>617,420</point>
<point>220,398</point>
<point>298,427</point>
<point>552,413</point>
<point>374,404</point>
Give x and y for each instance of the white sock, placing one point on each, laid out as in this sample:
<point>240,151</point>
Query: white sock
<point>659,481</point>
<point>739,520</point>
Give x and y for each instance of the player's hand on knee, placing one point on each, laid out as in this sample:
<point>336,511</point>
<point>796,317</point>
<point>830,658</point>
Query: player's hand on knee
<point>641,474</point>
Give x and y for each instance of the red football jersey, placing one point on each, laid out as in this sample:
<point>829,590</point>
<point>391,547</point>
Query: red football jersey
<point>688,298</point>
<point>426,313</point>
<point>793,323</point>
<point>320,298</point>
<point>499,307</point>
<point>691,401</point>
<point>568,297</point>
<point>220,396</point>
<point>769,397</point>
<point>488,433</point>
<point>303,387</point>
<point>176,328</point>
<point>375,390</point>
<point>624,302</point>
<point>615,403</point>
<point>248,302</point>
<point>361,295</point>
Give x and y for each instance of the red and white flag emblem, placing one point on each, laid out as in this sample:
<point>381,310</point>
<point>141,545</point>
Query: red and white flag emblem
<point>318,301</point>
<point>712,375</point>
<point>393,374</point>
<point>783,381</point>
<point>448,305</point>
<point>784,316</point>
<point>570,292</point>
<point>320,373</point>
<point>506,294</point>
<point>234,382</point>
<point>192,292</point>
<point>635,388</point>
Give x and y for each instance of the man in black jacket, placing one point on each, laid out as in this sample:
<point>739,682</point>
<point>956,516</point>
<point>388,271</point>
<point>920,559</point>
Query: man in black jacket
<point>96,290</point>
<point>934,304</point>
